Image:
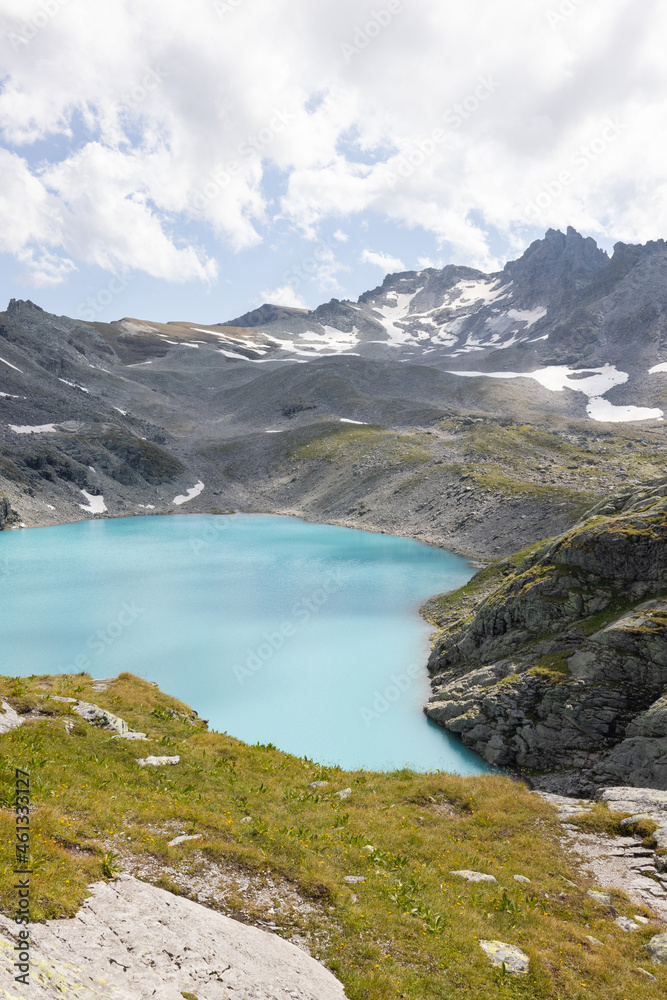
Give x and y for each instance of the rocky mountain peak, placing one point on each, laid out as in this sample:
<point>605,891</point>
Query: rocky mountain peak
<point>556,266</point>
<point>22,306</point>
<point>266,313</point>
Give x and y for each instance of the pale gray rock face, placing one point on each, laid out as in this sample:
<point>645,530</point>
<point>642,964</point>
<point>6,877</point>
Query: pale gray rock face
<point>10,719</point>
<point>100,717</point>
<point>657,949</point>
<point>626,924</point>
<point>471,876</point>
<point>156,761</point>
<point>508,955</point>
<point>131,941</point>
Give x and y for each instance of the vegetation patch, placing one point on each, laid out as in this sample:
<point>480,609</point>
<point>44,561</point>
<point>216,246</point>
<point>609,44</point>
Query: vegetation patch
<point>410,929</point>
<point>551,668</point>
<point>373,444</point>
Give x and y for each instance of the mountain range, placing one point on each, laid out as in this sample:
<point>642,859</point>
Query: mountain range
<point>149,415</point>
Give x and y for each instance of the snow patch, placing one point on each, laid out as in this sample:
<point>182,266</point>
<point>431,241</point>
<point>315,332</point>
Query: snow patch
<point>36,429</point>
<point>527,316</point>
<point>193,492</point>
<point>95,504</point>
<point>346,420</point>
<point>593,382</point>
<point>658,368</point>
<point>391,313</point>
<point>74,385</point>
<point>147,506</point>
<point>10,365</point>
<point>233,354</point>
<point>124,412</point>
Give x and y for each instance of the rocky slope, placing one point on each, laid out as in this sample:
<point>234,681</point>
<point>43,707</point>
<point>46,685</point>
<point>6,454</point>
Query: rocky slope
<point>561,667</point>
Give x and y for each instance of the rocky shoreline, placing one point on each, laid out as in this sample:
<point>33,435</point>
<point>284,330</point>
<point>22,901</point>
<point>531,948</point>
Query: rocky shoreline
<point>558,667</point>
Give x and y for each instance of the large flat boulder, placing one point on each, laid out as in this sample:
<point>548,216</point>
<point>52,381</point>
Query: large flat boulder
<point>131,941</point>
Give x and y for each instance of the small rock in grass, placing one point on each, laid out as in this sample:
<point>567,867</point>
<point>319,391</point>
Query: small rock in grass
<point>600,897</point>
<point>589,937</point>
<point>184,836</point>
<point>626,924</point>
<point>130,735</point>
<point>247,819</point>
<point>156,761</point>
<point>474,876</point>
<point>354,878</point>
<point>508,955</point>
<point>645,973</point>
<point>97,716</point>
<point>657,949</point>
<point>10,720</point>
<point>640,919</point>
<point>520,878</point>
<point>317,784</point>
<point>631,820</point>
<point>344,793</point>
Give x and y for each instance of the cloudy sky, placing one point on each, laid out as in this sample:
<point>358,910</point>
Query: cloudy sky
<point>190,161</point>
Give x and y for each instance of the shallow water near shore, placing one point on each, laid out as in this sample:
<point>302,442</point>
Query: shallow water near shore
<point>277,631</point>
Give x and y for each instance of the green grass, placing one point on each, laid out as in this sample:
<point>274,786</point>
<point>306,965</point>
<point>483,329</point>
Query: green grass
<point>371,444</point>
<point>410,930</point>
<point>551,668</point>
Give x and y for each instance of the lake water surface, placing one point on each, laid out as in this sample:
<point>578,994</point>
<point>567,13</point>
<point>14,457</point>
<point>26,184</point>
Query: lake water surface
<point>276,631</point>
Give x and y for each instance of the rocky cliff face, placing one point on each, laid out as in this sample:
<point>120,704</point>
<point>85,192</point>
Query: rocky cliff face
<point>560,671</point>
<point>7,515</point>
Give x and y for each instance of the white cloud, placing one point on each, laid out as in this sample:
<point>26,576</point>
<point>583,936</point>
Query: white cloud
<point>340,236</point>
<point>283,296</point>
<point>384,261</point>
<point>147,123</point>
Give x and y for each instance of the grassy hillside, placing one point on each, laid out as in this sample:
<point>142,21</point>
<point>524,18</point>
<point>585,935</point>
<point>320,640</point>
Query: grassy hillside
<point>411,929</point>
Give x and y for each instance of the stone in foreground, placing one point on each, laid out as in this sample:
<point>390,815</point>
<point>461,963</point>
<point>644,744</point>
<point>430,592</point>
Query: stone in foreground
<point>474,876</point>
<point>156,761</point>
<point>132,941</point>
<point>657,949</point>
<point>626,924</point>
<point>600,897</point>
<point>508,955</point>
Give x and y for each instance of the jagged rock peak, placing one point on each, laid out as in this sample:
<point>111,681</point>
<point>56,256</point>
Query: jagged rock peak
<point>21,305</point>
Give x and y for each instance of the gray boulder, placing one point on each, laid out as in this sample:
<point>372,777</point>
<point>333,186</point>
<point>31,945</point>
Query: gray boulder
<point>132,941</point>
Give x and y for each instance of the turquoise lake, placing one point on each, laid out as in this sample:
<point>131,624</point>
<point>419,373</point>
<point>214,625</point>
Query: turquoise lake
<point>275,630</point>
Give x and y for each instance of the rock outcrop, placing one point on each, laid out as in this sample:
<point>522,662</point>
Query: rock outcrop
<point>8,516</point>
<point>132,941</point>
<point>561,669</point>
